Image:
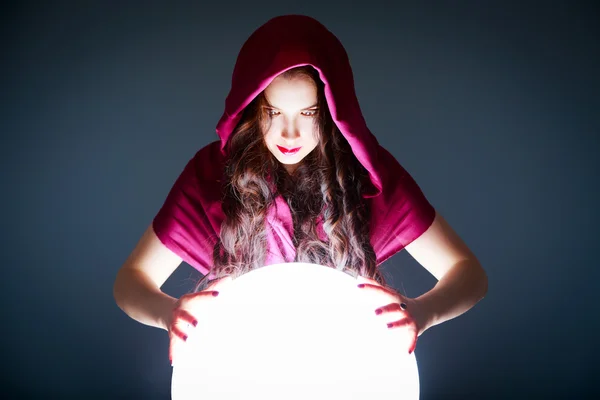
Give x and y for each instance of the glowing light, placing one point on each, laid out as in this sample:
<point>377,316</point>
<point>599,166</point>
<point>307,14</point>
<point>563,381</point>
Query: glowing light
<point>294,331</point>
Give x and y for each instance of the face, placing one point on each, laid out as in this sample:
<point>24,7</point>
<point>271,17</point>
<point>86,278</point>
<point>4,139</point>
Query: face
<point>292,111</point>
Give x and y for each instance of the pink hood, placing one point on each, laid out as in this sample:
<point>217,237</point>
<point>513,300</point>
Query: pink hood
<point>291,41</point>
<point>189,221</point>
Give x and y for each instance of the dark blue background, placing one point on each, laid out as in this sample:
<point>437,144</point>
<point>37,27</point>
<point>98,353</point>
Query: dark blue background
<point>493,107</point>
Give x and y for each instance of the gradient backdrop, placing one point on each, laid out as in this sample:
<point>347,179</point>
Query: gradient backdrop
<point>493,107</point>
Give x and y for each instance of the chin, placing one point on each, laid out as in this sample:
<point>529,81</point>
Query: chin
<point>291,161</point>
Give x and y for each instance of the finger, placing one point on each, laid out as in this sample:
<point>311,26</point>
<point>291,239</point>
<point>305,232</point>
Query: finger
<point>400,323</point>
<point>171,351</point>
<point>413,344</point>
<point>393,307</point>
<point>404,323</point>
<point>178,332</point>
<point>174,343</point>
<point>376,287</point>
<point>182,322</point>
<point>184,316</point>
<point>177,337</point>
<point>194,298</point>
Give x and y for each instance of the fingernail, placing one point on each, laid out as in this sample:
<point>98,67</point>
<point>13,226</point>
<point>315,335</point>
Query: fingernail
<point>378,311</point>
<point>185,338</point>
<point>195,323</point>
<point>215,294</point>
<point>390,325</point>
<point>361,285</point>
<point>409,352</point>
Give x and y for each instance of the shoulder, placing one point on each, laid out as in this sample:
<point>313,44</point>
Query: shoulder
<point>198,185</point>
<point>202,176</point>
<point>189,220</point>
<point>401,212</point>
<point>398,185</point>
<point>207,163</point>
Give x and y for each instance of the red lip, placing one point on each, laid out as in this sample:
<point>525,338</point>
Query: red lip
<point>285,150</point>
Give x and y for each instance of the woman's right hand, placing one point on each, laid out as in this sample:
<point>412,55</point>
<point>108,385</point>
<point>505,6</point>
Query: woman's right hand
<point>182,321</point>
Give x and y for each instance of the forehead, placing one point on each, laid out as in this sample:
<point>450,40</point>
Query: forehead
<point>295,93</point>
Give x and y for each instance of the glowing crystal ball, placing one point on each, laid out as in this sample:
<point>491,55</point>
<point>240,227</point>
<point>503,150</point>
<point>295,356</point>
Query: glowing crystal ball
<point>294,331</point>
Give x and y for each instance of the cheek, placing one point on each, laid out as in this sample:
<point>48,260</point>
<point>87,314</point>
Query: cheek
<point>273,130</point>
<point>313,137</point>
<point>309,130</point>
<point>270,135</point>
<point>307,125</point>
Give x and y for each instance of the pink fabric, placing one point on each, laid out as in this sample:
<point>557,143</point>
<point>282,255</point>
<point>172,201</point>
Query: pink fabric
<point>189,221</point>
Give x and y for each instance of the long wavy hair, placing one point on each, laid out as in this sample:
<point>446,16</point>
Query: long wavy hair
<point>327,185</point>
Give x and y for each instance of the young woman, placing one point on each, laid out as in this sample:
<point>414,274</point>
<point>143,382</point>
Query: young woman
<point>295,176</point>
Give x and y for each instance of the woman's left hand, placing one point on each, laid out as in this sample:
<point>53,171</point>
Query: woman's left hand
<point>406,310</point>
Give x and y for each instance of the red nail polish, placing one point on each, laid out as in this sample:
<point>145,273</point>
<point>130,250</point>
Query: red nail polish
<point>390,325</point>
<point>361,285</point>
<point>185,338</point>
<point>378,311</point>
<point>215,294</point>
<point>195,323</point>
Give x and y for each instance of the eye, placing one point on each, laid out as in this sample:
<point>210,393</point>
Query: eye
<point>310,113</point>
<point>272,113</point>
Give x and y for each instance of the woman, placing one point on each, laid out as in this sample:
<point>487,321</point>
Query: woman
<point>295,176</point>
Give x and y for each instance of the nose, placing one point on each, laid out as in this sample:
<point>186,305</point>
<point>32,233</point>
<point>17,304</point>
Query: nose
<point>290,130</point>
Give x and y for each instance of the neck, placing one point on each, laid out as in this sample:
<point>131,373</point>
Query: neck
<point>290,168</point>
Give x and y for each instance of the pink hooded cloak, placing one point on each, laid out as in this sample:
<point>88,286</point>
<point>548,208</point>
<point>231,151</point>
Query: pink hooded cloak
<point>189,221</point>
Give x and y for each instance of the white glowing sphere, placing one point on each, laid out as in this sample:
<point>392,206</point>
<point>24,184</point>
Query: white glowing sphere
<point>294,331</point>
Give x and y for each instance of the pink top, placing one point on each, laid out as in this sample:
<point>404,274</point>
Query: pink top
<point>189,221</point>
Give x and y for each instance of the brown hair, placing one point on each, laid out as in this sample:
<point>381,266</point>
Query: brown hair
<point>327,184</point>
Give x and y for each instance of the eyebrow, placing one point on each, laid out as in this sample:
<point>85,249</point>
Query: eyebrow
<point>269,105</point>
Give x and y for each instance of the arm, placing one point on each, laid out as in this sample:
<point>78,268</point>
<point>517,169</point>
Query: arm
<point>137,285</point>
<point>462,282</point>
